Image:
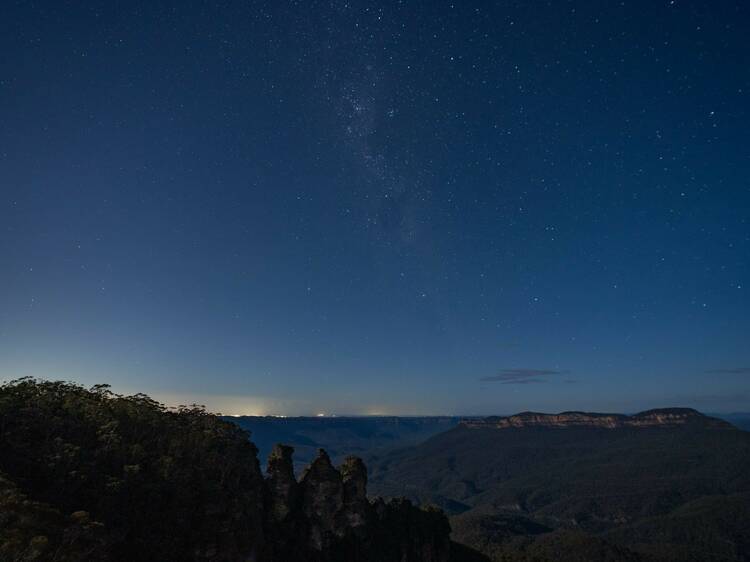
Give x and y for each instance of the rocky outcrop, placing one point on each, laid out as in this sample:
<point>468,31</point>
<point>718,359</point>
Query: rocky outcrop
<point>323,501</point>
<point>327,516</point>
<point>676,416</point>
<point>281,485</point>
<point>356,507</point>
<point>665,417</point>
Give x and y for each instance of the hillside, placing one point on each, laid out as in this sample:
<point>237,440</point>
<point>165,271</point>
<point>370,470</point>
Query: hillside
<point>524,486</point>
<point>89,475</point>
<point>740,420</point>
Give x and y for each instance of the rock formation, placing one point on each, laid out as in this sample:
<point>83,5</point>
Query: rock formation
<point>281,485</point>
<point>327,516</point>
<point>356,506</point>
<point>323,501</point>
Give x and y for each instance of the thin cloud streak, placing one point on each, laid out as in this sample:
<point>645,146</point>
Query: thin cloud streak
<point>732,371</point>
<point>522,376</point>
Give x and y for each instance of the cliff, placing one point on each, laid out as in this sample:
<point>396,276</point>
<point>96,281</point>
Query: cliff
<point>665,417</point>
<point>87,474</point>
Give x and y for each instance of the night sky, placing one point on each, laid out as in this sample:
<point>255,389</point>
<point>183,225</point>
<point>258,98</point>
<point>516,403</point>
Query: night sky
<point>379,207</point>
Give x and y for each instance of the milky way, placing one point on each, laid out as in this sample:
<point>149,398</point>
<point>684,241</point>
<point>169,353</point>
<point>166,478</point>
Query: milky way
<point>379,206</point>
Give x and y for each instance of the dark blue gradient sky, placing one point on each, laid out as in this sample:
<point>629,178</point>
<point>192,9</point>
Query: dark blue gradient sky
<point>379,207</point>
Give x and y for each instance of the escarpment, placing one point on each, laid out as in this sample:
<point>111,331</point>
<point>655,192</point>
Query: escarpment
<point>665,417</point>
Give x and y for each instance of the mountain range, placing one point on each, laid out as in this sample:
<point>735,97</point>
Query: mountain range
<point>86,474</point>
<point>364,435</point>
<point>666,484</point>
<point>669,484</point>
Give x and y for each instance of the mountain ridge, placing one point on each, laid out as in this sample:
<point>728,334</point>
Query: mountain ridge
<point>661,485</point>
<point>658,417</point>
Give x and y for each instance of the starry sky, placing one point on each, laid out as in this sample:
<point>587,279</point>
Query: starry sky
<point>360,207</point>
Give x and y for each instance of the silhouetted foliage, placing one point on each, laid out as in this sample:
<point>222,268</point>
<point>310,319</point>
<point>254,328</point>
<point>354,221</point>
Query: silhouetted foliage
<point>32,530</point>
<point>166,483</point>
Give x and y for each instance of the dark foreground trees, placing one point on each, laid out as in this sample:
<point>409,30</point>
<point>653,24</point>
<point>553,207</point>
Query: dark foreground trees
<point>86,474</point>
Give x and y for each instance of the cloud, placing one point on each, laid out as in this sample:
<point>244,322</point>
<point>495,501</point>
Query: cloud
<point>525,381</point>
<point>522,376</point>
<point>732,371</point>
